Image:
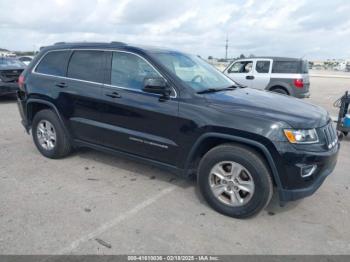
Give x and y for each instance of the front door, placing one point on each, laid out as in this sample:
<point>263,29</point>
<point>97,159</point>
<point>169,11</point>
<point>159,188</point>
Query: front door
<point>134,121</point>
<point>242,72</point>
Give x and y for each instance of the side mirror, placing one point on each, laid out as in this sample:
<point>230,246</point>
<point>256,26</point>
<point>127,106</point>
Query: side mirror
<point>156,85</point>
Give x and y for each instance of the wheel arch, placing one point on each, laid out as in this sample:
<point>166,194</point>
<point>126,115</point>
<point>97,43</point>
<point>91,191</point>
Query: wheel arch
<point>210,140</point>
<point>279,84</point>
<point>35,105</point>
<point>280,87</point>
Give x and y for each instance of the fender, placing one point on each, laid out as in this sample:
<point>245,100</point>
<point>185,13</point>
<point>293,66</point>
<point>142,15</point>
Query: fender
<point>52,106</point>
<point>241,140</point>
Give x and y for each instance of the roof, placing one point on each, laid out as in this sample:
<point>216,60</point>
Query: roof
<point>275,58</point>
<point>104,45</point>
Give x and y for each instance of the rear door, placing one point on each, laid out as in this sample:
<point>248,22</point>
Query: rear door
<point>262,72</point>
<point>134,121</point>
<point>79,94</point>
<point>242,72</point>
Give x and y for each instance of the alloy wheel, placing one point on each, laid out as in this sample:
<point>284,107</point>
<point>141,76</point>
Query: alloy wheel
<point>231,183</point>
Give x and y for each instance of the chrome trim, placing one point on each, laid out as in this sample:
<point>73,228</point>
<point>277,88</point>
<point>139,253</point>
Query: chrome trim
<point>74,79</point>
<point>91,82</point>
<point>309,173</point>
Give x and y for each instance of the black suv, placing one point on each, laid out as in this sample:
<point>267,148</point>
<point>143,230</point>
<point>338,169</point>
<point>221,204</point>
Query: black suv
<point>176,111</point>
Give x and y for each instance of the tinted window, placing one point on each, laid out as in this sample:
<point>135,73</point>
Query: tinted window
<point>290,67</point>
<point>305,67</point>
<point>86,65</point>
<point>129,70</point>
<point>241,67</point>
<point>54,63</point>
<point>262,66</point>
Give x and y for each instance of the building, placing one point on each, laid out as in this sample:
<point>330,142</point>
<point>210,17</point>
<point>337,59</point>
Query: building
<point>6,53</point>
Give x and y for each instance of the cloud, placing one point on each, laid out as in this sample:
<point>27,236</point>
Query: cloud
<point>311,28</point>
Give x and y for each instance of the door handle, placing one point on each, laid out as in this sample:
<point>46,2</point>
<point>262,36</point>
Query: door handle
<point>61,85</point>
<point>249,77</point>
<point>114,95</point>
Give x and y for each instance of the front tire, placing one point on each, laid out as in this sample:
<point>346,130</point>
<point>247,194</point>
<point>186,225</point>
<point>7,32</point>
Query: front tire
<point>235,181</point>
<point>49,136</point>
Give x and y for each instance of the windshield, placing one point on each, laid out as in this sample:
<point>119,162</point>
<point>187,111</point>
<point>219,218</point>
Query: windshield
<point>193,71</point>
<point>8,62</point>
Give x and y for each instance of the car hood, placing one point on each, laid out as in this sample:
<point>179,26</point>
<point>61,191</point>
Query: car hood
<point>268,105</point>
<point>12,67</point>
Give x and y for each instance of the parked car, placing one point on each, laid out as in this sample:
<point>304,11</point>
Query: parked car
<point>289,76</point>
<point>175,111</point>
<point>10,69</point>
<point>26,59</point>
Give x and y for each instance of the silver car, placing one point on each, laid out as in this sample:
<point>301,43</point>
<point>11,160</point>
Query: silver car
<point>283,75</point>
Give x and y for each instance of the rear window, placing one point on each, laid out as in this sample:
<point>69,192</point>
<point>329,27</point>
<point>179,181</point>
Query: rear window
<point>289,67</point>
<point>54,63</point>
<point>86,65</point>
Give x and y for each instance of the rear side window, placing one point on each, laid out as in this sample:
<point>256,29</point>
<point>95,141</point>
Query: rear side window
<point>86,65</point>
<point>305,67</point>
<point>262,66</point>
<point>54,63</point>
<point>289,67</point>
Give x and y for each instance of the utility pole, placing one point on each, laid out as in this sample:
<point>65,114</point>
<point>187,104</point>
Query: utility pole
<point>226,47</point>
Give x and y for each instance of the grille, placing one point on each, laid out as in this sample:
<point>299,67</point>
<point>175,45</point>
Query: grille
<point>11,75</point>
<point>331,135</point>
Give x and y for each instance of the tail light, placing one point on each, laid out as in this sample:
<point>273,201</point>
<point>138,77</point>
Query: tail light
<point>21,82</point>
<point>298,83</point>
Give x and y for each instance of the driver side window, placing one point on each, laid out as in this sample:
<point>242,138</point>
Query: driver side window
<point>129,70</point>
<point>241,67</point>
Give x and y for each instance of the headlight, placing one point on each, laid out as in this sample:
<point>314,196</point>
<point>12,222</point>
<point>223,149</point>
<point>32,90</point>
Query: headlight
<point>301,136</point>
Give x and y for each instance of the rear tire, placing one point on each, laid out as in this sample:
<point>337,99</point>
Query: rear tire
<point>49,135</point>
<point>279,90</point>
<point>233,201</point>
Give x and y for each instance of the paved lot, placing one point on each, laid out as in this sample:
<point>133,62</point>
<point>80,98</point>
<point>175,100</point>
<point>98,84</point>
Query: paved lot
<point>63,206</point>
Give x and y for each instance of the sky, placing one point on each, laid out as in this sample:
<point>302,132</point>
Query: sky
<point>313,29</point>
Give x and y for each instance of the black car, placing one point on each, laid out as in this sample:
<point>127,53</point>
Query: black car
<point>10,70</point>
<point>176,111</point>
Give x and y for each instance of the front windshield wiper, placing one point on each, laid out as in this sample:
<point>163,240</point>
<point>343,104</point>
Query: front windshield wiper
<point>214,90</point>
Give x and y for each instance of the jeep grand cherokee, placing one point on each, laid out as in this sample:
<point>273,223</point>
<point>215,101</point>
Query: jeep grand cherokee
<point>176,111</point>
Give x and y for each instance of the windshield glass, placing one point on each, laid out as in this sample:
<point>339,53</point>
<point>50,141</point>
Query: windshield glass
<point>7,62</point>
<point>193,71</point>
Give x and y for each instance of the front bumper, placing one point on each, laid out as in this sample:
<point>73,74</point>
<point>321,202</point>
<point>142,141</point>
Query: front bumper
<point>293,185</point>
<point>294,194</point>
<point>8,88</point>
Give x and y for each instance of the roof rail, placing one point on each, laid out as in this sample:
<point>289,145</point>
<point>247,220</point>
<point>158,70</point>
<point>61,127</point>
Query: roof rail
<point>59,43</point>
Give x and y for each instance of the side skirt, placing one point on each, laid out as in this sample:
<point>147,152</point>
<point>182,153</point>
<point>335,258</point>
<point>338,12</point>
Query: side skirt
<point>173,169</point>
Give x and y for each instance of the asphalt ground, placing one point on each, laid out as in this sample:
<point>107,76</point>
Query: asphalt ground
<point>95,203</point>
